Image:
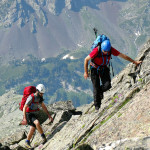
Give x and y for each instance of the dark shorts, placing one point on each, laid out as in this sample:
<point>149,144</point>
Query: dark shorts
<point>31,117</point>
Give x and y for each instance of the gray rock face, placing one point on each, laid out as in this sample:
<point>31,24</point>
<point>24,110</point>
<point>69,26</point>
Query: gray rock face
<point>121,123</point>
<point>10,114</point>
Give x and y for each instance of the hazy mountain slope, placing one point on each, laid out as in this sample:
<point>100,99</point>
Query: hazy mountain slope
<point>134,20</point>
<point>45,28</point>
<point>62,77</point>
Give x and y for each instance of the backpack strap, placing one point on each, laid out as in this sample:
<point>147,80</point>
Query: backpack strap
<point>100,54</point>
<point>32,97</point>
<point>32,103</point>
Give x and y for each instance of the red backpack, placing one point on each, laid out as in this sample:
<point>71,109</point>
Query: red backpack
<point>29,90</point>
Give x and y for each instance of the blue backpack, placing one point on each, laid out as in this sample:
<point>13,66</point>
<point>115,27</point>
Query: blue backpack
<point>99,40</point>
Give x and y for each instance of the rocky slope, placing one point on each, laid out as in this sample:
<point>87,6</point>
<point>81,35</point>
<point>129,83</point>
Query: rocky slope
<point>122,122</point>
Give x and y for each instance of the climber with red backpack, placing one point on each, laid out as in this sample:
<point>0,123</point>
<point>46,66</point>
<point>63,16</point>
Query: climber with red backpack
<point>99,66</point>
<point>32,98</point>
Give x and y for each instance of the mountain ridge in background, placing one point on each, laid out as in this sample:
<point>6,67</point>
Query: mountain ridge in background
<point>45,28</point>
<point>46,41</point>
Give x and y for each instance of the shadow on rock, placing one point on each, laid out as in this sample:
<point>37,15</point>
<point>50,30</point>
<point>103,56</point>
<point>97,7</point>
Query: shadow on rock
<point>84,147</point>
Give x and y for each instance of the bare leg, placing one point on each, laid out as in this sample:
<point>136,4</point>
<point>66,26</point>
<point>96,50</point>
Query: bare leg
<point>38,126</point>
<point>31,132</point>
<point>40,130</point>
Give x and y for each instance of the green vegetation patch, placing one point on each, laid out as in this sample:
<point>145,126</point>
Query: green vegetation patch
<point>63,78</point>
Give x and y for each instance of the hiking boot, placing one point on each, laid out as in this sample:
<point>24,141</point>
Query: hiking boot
<point>27,144</point>
<point>44,140</point>
<point>96,109</point>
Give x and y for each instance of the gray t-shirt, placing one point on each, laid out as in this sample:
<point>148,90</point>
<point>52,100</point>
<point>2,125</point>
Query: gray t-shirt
<point>33,106</point>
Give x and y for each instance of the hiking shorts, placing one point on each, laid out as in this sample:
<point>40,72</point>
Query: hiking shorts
<point>31,117</point>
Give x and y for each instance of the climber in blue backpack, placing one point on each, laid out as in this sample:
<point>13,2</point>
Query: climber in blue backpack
<point>100,57</point>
